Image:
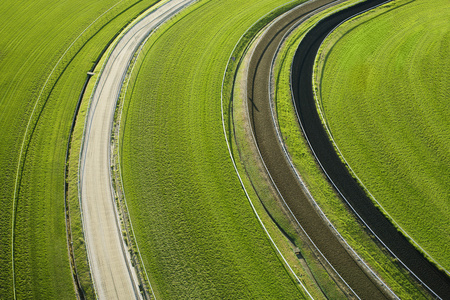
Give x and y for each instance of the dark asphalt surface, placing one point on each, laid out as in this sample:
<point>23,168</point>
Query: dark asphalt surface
<point>279,168</point>
<point>436,280</point>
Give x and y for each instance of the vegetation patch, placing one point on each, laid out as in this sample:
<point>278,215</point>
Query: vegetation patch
<point>383,88</point>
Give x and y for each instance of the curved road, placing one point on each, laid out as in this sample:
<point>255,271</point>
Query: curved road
<point>284,177</point>
<point>436,281</point>
<point>113,275</point>
<point>279,168</point>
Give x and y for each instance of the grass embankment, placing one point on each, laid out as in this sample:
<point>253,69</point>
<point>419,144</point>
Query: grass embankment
<point>197,233</point>
<point>384,92</point>
<point>319,187</point>
<point>34,37</point>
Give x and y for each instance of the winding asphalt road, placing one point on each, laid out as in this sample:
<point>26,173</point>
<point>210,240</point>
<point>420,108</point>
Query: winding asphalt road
<point>113,275</point>
<point>437,282</point>
<point>285,179</point>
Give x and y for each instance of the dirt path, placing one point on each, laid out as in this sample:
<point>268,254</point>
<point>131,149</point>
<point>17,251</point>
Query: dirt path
<point>436,281</point>
<point>113,275</point>
<point>363,285</point>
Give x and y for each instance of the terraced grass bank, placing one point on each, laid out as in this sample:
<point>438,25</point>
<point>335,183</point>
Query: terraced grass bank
<point>46,49</point>
<point>197,233</point>
<point>384,92</point>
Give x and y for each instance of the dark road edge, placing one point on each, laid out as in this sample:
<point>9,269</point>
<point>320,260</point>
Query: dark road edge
<point>434,280</point>
<point>361,281</point>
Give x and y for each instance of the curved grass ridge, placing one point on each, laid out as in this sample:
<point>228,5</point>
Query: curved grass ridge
<point>230,75</point>
<point>257,186</point>
<point>40,242</point>
<point>345,223</point>
<point>390,203</point>
<point>26,137</point>
<point>219,196</point>
<point>119,186</point>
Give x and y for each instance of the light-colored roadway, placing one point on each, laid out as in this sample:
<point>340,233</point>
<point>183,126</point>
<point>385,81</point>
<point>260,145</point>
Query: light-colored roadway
<point>113,275</point>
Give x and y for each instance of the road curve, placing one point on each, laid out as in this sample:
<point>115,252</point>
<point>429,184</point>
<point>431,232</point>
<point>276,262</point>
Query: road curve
<point>113,275</point>
<point>436,281</point>
<point>279,168</point>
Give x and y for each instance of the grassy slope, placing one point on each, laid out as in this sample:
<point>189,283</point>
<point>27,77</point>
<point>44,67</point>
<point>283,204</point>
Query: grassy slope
<point>391,78</point>
<point>34,36</point>
<point>194,226</point>
<point>319,186</point>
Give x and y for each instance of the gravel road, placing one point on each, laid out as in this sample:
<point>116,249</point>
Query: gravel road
<point>113,275</point>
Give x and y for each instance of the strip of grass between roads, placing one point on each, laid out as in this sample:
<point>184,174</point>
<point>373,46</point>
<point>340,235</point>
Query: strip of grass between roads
<point>394,136</point>
<point>261,193</point>
<point>197,233</point>
<point>336,212</point>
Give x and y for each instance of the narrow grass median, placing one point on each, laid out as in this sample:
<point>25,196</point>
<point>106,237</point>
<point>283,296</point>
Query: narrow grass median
<point>383,82</point>
<point>197,233</point>
<point>397,278</point>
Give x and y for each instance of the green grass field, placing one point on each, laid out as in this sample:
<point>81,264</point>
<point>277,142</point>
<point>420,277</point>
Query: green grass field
<point>196,230</point>
<point>384,90</point>
<point>319,187</point>
<point>197,233</point>
<point>45,53</point>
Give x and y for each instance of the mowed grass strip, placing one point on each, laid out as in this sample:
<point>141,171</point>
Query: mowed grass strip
<point>345,222</point>
<point>263,195</point>
<point>385,93</point>
<point>196,231</point>
<point>34,36</point>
